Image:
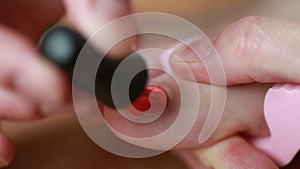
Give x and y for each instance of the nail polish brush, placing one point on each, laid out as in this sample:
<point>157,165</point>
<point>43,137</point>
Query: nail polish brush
<point>62,46</point>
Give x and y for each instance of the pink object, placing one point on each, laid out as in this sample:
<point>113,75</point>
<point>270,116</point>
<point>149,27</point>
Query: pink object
<point>282,114</point>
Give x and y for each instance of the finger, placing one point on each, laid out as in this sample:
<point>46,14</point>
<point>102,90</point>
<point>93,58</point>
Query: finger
<point>254,49</point>
<point>31,76</point>
<point>243,112</point>
<point>90,15</point>
<point>6,151</point>
<point>234,153</point>
<point>16,107</point>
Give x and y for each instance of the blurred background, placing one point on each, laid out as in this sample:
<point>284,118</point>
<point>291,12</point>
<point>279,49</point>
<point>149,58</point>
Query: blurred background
<point>60,143</point>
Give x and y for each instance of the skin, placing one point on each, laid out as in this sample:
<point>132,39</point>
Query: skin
<point>24,69</point>
<point>254,49</point>
<point>259,64</point>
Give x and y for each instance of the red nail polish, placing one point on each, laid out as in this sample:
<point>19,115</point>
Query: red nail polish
<point>155,94</point>
<point>142,103</point>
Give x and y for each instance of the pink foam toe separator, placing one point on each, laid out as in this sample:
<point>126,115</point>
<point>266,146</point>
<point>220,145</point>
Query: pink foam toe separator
<point>282,114</point>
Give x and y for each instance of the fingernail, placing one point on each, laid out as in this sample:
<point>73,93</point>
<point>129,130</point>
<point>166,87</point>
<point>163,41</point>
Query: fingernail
<point>187,58</point>
<point>46,110</point>
<point>196,50</point>
<point>149,106</point>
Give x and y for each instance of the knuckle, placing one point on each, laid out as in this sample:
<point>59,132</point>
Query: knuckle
<point>243,38</point>
<point>243,41</point>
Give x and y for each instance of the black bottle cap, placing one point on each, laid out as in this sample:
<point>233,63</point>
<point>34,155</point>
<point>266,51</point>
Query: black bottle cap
<point>62,46</point>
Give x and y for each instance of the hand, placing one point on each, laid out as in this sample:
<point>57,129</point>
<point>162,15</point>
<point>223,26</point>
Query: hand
<point>30,87</point>
<point>252,50</point>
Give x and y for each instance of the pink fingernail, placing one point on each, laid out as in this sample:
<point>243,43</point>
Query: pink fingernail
<point>196,50</point>
<point>192,50</point>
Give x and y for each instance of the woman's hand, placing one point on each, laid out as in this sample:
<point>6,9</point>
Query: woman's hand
<point>252,50</point>
<point>30,87</point>
<point>256,52</point>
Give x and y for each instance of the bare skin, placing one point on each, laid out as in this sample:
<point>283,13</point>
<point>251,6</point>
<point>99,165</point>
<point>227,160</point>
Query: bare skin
<point>23,68</point>
<point>19,75</point>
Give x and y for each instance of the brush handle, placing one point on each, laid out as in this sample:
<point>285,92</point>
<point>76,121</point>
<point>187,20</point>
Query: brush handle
<point>62,46</point>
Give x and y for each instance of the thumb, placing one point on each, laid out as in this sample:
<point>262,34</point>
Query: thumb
<point>254,49</point>
<point>89,16</point>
